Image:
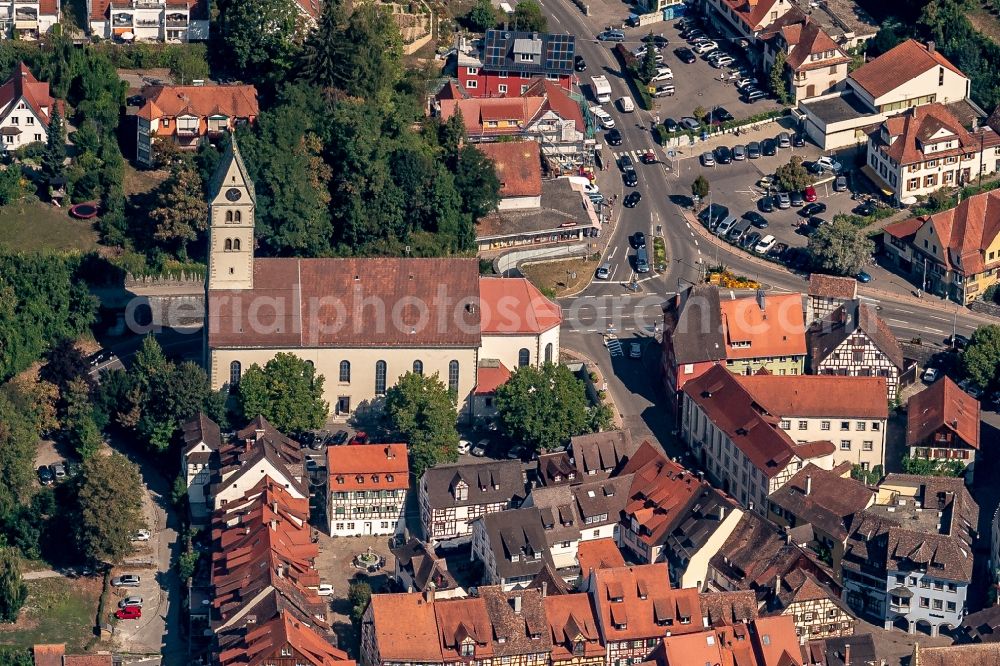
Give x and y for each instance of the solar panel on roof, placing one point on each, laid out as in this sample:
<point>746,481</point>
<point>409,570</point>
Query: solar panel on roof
<point>496,48</point>
<point>559,50</point>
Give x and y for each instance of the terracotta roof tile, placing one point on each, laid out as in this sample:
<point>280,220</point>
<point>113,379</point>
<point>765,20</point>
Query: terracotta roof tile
<point>517,632</point>
<point>378,466</point>
<point>461,619</point>
<point>968,230</point>
<point>518,165</point>
<point>906,229</point>
<point>777,329</point>
<point>22,83</point>
<point>570,616</point>
<point>647,606</point>
<point>753,12</point>
<point>598,554</point>
<point>235,101</point>
<point>811,39</point>
<point>490,375</point>
<point>405,641</point>
<point>515,306</point>
<point>914,127</point>
<point>819,395</point>
<point>88,660</point>
<point>262,645</point>
<point>49,654</point>
<point>831,502</point>
<point>660,494</point>
<point>833,286</point>
<point>983,654</point>
<point>943,406</point>
<point>897,66</point>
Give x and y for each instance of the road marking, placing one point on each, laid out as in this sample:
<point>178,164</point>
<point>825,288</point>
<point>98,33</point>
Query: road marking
<point>688,224</point>
<point>612,255</point>
<point>696,243</point>
<point>613,271</point>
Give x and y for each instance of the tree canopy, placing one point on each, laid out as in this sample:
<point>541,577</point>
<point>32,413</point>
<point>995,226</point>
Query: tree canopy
<point>544,407</point>
<point>778,78</point>
<point>528,17</point>
<point>793,177</point>
<point>840,248</point>
<point>483,16</point>
<point>421,410</point>
<point>286,391</point>
<point>181,211</point>
<point>13,591</point>
<point>108,507</point>
<point>981,358</point>
<point>700,187</point>
<point>262,37</point>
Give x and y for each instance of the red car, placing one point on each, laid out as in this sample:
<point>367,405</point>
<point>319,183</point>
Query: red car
<point>810,194</point>
<point>129,613</point>
<point>360,437</point>
<point>649,157</point>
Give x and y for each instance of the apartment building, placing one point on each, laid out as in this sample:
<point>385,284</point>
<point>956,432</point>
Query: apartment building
<point>366,488</point>
<point>908,561</point>
<point>816,610</point>
<point>851,412</point>
<point>853,341</point>
<point>814,63</point>
<point>509,60</point>
<point>29,19</point>
<point>128,21</point>
<point>942,423</point>
<point>748,19</point>
<point>740,443</point>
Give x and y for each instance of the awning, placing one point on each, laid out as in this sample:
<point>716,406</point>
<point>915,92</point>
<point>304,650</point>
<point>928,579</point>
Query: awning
<point>128,36</point>
<point>877,179</point>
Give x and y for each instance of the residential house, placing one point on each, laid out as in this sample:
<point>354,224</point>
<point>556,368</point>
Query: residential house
<point>385,641</point>
<point>853,341</point>
<point>591,457</point>
<point>597,554</point>
<point>722,609</point>
<point>954,252</point>
<point>54,654</point>
<point>418,568</point>
<point>576,638</point>
<point>512,545</point>
<point>541,111</point>
<point>518,165</point>
<point>817,611</point>
<point>855,650</point>
<point>367,484</point>
<point>453,496</point>
<point>29,19</point>
<point>186,115</point>
<point>199,456</point>
<point>827,293</point>
<point>747,18</point>
<point>284,639</point>
<point>908,561</point>
<point>521,635</point>
<point>851,412</point>
<point>739,442</point>
<point>979,627</point>
<point>25,109</point>
<point>509,61</point>
<point>674,516</point>
<point>908,75</point>
<point>464,631</point>
<point>955,655</point>
<point>845,21</point>
<point>170,21</point>
<point>814,63</point>
<point>258,450</point>
<point>745,334</point>
<point>636,608</point>
<point>826,502</point>
<point>444,317</point>
<point>942,423</point>
<point>765,641</point>
<point>925,148</point>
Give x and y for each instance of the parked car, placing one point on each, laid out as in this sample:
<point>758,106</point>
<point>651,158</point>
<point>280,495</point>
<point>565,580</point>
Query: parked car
<point>338,438</point>
<point>707,159</point>
<point>751,96</point>
<point>713,214</point>
<point>662,74</point>
<point>45,476</point>
<point>664,90</point>
<point>633,199</point>
<point>958,341</point>
<point>777,250</point>
<point>931,375</point>
<point>723,155</point>
<point>784,141</point>
<point>865,209</point>
<point>750,240</point>
<point>659,41</point>
<point>816,222</point>
<point>768,147</point>
<point>798,140</point>
<point>703,48</point>
<point>613,137</point>
<point>970,388</point>
<point>670,125</point>
<point>58,471</point>
<point>863,277</point>
<point>685,55</point>
<point>689,123</point>
<point>603,117</point>
<point>756,219</point>
<point>324,590</point>
<point>611,36</point>
<point>796,198</point>
<point>515,452</point>
<point>829,164</point>
<point>753,150</point>
<point>766,204</point>
<point>101,357</point>
<point>141,535</point>
<point>479,450</point>
<point>765,244</point>
<point>719,115</point>
<point>635,350</point>
<point>746,83</point>
<point>739,153</point>
<point>784,201</point>
<point>813,209</point>
<point>579,64</point>
<point>129,613</point>
<point>125,580</point>
<point>360,437</point>
<point>840,184</point>
<point>464,446</point>
<point>127,602</point>
<point>722,61</point>
<point>809,193</point>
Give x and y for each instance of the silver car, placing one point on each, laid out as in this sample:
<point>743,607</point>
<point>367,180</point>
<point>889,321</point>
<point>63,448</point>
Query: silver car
<point>784,201</point>
<point>707,159</point>
<point>125,580</point>
<point>604,271</point>
<point>739,153</point>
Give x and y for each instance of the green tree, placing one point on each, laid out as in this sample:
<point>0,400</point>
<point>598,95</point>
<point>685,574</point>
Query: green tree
<point>373,62</point>
<point>64,363</point>
<point>483,16</point>
<point>421,410</point>
<point>648,66</point>
<point>11,184</point>
<point>778,80</point>
<point>13,591</point>
<point>528,17</point>
<point>12,656</point>
<point>793,177</point>
<point>108,507</point>
<point>79,421</point>
<point>54,158</point>
<point>286,391</point>
<point>923,467</point>
<point>262,37</point>
<point>981,358</point>
<point>477,182</point>
<point>840,248</point>
<point>181,211</point>
<point>189,63</point>
<point>325,47</point>
<point>359,595</point>
<point>18,441</point>
<point>700,187</point>
<point>543,407</point>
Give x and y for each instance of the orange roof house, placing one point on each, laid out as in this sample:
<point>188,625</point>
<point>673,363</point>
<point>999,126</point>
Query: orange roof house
<point>284,637</point>
<point>573,627</point>
<point>515,307</point>
<point>942,423</point>
<point>518,166</point>
<point>598,554</point>
<point>764,326</point>
<point>898,66</point>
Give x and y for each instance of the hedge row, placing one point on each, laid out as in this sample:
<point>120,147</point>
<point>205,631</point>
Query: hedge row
<point>730,124</point>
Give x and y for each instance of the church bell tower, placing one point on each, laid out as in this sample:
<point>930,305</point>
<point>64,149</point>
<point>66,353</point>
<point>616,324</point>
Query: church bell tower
<point>231,223</point>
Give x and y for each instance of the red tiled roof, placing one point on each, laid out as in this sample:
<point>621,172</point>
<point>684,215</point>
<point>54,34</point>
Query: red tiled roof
<point>515,306</point>
<point>943,406</point>
<point>540,96</point>
<point>571,616</point>
<point>660,492</point>
<point>22,83</point>
<point>403,625</point>
<point>808,39</point>
<point>778,329</point>
<point>489,378</point>
<point>262,645</point>
<point>518,166</point>
<point>833,286</point>
<point>372,463</point>
<point>752,11</point>
<point>49,654</point>
<point>234,101</point>
<point>647,607</point>
<point>906,229</point>
<point>967,231</point>
<point>598,554</point>
<point>896,67</point>
<point>913,128</point>
<point>459,619</point>
<point>558,100</point>
<point>819,395</point>
<point>329,302</point>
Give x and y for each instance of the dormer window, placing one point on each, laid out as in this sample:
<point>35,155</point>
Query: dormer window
<point>340,480</point>
<point>468,648</point>
<point>360,479</point>
<point>578,647</point>
<point>388,478</point>
<point>515,558</point>
<point>374,478</point>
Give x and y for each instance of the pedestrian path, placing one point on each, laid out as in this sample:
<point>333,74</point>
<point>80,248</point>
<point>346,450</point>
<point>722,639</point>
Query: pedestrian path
<point>614,346</point>
<point>636,155</point>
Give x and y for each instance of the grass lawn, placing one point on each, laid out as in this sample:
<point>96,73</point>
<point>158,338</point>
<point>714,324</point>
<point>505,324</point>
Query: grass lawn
<point>40,226</point>
<point>556,278</point>
<point>57,611</point>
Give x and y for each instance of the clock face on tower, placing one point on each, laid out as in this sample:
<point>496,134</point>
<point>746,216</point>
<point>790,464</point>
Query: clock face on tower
<point>233,194</point>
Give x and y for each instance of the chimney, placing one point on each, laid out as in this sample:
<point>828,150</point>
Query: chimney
<point>515,603</point>
<point>954,423</point>
<point>280,570</point>
<point>931,46</point>
<point>809,484</point>
<point>274,525</point>
<point>388,453</point>
<point>722,513</point>
<point>429,593</point>
<point>847,646</point>
<point>777,585</point>
<point>545,588</point>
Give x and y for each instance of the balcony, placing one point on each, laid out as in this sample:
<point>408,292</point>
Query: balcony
<point>177,23</point>
<point>26,2</point>
<point>121,20</point>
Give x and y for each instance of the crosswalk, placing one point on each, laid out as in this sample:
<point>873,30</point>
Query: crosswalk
<point>636,155</point>
<point>614,346</point>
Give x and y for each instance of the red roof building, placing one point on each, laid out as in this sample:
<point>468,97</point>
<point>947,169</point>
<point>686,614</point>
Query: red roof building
<point>907,75</point>
<point>507,62</point>
<point>367,488</point>
<point>518,166</point>
<point>942,423</point>
<point>25,109</point>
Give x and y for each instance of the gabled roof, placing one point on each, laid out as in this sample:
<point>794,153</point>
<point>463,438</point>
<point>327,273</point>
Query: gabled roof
<point>459,620</point>
<point>514,306</point>
<point>598,554</point>
<point>983,654</point>
<point>640,598</point>
<point>570,618</point>
<point>423,566</point>
<point>897,66</point>
<point>262,645</point>
<point>809,38</point>
<point>488,482</point>
<point>553,53</point>
<point>754,12</point>
<point>23,84</point>
<point>965,231</point>
<point>234,101</point>
<point>48,654</point>
<point>368,467</point>
<point>829,504</point>
<point>518,166</point>
<point>517,538</point>
<point>833,286</point>
<point>231,155</point>
<point>693,322</point>
<point>598,455</point>
<point>518,619</point>
<point>763,326</point>
<point>201,429</point>
<point>827,336</point>
<point>407,641</point>
<point>943,406</point>
<point>728,608</point>
<point>540,98</point>
<point>917,125</point>
<point>819,395</point>
<point>490,375</point>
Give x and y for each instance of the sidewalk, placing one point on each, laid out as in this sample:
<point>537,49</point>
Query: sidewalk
<point>592,366</point>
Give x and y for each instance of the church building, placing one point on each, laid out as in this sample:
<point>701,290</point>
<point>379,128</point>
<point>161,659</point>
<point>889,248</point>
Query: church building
<point>362,322</point>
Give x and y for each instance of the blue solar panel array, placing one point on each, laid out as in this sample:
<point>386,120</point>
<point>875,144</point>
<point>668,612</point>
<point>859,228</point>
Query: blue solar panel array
<point>557,53</point>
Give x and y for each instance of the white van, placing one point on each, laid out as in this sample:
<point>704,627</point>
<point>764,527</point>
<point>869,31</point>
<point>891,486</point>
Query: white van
<point>626,105</point>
